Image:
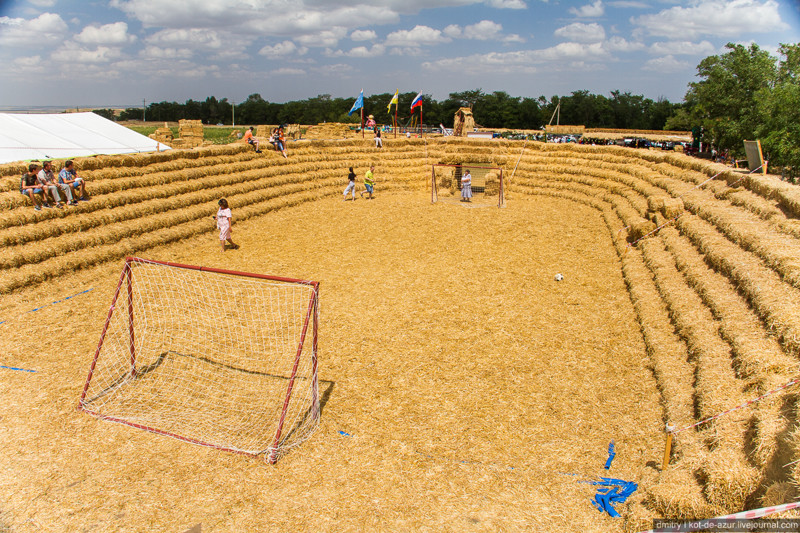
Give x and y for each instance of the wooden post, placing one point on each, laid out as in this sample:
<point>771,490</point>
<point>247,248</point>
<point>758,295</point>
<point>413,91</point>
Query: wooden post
<point>667,447</point>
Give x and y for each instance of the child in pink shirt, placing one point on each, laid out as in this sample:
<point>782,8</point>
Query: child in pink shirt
<point>224,224</point>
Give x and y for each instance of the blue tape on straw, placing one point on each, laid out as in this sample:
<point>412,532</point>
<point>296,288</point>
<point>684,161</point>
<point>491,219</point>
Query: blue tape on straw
<point>52,303</point>
<point>17,369</point>
<point>611,454</point>
<point>59,301</point>
<point>344,433</point>
<point>614,491</point>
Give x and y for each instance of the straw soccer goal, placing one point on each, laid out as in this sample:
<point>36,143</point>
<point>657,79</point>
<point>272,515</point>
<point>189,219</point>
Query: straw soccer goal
<point>213,357</point>
<point>487,182</point>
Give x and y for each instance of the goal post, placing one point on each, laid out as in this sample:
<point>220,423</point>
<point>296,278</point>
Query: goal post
<point>214,357</point>
<point>488,183</point>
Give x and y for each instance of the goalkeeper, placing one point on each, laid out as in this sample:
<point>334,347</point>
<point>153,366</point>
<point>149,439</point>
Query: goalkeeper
<point>369,181</point>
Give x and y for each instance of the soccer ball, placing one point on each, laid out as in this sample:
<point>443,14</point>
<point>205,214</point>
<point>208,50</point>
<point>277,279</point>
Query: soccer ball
<point>559,277</point>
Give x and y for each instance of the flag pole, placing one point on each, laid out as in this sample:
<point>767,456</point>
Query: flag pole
<point>420,119</point>
<point>362,121</point>
<point>395,119</point>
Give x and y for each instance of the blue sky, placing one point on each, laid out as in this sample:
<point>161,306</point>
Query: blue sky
<point>114,53</point>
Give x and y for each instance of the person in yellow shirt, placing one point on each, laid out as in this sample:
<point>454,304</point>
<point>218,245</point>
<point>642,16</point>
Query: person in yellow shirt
<point>369,181</point>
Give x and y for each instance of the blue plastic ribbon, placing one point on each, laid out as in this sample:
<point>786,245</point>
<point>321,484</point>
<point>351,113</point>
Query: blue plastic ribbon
<point>15,368</point>
<point>612,491</point>
<point>611,454</point>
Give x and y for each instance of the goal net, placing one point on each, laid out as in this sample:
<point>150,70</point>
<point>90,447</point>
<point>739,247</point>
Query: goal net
<point>487,182</point>
<point>213,357</point>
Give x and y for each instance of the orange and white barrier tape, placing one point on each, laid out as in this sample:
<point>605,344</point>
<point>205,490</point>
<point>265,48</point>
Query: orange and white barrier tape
<point>745,404</point>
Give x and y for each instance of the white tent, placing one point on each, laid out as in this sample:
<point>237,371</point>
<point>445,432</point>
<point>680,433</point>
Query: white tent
<point>67,135</point>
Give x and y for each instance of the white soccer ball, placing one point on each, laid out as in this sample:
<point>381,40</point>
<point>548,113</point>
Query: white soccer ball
<point>559,277</point>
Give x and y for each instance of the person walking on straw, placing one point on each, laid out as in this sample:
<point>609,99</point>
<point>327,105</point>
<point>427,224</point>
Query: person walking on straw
<point>351,186</point>
<point>369,182</point>
<point>223,219</point>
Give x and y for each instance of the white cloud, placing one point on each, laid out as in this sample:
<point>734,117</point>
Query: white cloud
<point>359,51</point>
<point>29,65</point>
<point>719,18</point>
<point>686,48</point>
<point>408,51</point>
<point>629,4</point>
<point>619,44</point>
<point>337,69</point>
<point>287,72</point>
<point>556,58</point>
<point>45,29</point>
<point>453,31</point>
<point>582,33</point>
<point>363,35</point>
<point>190,38</point>
<point>666,64</point>
<point>114,33</point>
<point>329,37</point>
<point>416,37</point>
<point>156,52</point>
<point>71,52</point>
<point>484,30</point>
<point>592,10</point>
<point>281,50</point>
<point>156,67</point>
<point>506,4</point>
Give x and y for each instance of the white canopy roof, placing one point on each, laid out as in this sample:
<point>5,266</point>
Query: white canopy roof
<point>67,135</point>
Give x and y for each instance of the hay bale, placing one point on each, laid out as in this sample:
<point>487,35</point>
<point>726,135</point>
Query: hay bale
<point>639,229</point>
<point>655,203</point>
<point>779,493</point>
<point>729,478</point>
<point>492,182</point>
<point>672,207</point>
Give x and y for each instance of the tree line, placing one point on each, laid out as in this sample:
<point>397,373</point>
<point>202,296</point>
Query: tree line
<point>743,94</point>
<point>492,110</point>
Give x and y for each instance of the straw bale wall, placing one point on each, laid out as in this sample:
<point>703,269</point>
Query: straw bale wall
<point>715,292</point>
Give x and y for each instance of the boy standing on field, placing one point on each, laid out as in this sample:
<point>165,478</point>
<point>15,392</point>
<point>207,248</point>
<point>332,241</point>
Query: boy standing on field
<point>369,181</point>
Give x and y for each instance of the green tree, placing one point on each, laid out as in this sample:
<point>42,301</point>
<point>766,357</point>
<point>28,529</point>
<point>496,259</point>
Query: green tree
<point>105,113</point>
<point>778,111</point>
<point>725,100</point>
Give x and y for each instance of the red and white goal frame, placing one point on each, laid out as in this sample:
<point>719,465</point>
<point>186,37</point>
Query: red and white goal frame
<point>481,187</point>
<point>213,357</point>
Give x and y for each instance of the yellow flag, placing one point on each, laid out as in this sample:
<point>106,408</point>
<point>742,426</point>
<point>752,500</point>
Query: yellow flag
<point>393,101</point>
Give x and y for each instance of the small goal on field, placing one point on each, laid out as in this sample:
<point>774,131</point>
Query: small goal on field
<point>214,357</point>
<point>487,182</point>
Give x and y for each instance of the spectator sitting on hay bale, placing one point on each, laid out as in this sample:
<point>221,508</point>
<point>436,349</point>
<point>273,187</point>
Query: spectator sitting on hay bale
<point>69,178</point>
<point>280,141</point>
<point>29,186</point>
<point>250,139</point>
<point>47,181</point>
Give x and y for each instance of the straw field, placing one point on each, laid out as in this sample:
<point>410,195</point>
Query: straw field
<point>465,389</point>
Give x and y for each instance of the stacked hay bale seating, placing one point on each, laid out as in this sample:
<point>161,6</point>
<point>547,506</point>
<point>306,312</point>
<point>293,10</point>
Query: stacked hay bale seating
<point>331,130</point>
<point>190,134</point>
<point>163,135</point>
<point>716,292</point>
